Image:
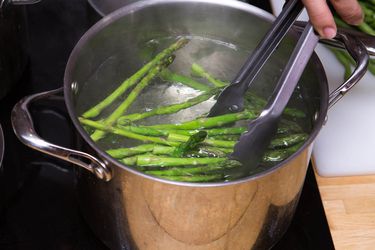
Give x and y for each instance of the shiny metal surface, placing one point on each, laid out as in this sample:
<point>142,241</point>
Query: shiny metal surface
<point>137,211</point>
<point>251,146</point>
<point>231,99</point>
<point>247,26</point>
<point>367,40</point>
<point>359,45</point>
<point>24,129</point>
<point>358,51</point>
<point>132,212</point>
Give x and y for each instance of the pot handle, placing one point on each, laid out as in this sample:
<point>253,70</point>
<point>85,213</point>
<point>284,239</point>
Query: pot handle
<point>23,127</point>
<point>358,51</point>
<point>359,46</point>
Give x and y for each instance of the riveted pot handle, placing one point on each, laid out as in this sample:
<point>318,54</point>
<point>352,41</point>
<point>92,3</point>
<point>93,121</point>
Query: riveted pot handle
<point>23,127</point>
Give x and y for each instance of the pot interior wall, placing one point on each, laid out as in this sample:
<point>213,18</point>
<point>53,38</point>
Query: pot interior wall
<point>223,38</point>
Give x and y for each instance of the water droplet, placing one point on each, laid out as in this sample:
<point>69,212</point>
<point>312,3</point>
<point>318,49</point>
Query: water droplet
<point>233,108</point>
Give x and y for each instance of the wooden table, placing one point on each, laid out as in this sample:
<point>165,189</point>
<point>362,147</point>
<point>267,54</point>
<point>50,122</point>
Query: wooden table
<point>349,203</point>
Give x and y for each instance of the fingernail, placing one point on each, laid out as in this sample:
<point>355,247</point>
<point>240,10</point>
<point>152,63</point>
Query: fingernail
<point>329,32</point>
<point>358,21</point>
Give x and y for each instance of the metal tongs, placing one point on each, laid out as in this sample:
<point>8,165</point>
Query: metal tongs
<point>252,144</point>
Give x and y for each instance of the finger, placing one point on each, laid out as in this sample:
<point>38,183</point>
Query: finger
<point>349,10</point>
<point>321,17</point>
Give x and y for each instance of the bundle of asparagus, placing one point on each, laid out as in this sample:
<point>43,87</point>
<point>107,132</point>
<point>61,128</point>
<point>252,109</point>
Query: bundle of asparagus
<point>368,27</point>
<point>192,151</point>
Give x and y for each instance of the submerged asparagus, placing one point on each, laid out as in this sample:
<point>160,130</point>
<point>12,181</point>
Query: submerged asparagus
<point>126,133</point>
<point>210,142</point>
<point>132,96</point>
<point>198,70</point>
<point>168,75</point>
<point>170,109</point>
<point>188,151</point>
<point>210,122</point>
<point>257,101</point>
<point>149,160</point>
<point>97,109</point>
<point>125,152</point>
<point>280,154</point>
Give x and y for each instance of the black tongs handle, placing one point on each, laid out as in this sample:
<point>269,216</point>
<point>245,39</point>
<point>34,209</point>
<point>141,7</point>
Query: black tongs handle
<point>231,98</point>
<point>270,41</point>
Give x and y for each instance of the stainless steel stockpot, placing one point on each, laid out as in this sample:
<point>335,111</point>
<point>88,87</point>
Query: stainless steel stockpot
<point>130,210</point>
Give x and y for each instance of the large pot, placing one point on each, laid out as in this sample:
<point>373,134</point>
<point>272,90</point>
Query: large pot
<point>130,210</point>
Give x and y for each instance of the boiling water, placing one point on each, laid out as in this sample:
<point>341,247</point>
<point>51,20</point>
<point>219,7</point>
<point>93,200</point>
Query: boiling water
<point>222,60</point>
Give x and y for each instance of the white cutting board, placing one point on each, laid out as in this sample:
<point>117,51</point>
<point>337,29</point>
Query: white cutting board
<point>346,144</point>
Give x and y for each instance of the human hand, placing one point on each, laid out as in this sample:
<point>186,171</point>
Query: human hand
<point>322,19</point>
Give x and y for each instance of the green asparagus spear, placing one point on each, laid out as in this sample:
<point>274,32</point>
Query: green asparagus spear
<point>149,160</point>
<point>260,103</point>
<point>341,23</point>
<point>287,141</point>
<point>199,71</point>
<point>163,150</point>
<point>130,161</point>
<point>170,76</point>
<point>254,99</point>
<point>364,27</point>
<point>210,132</point>
<point>126,152</point>
<point>202,151</point>
<point>207,151</point>
<point>132,96</point>
<point>165,132</point>
<point>210,122</point>
<point>215,143</point>
<point>170,109</point>
<point>145,131</point>
<point>96,110</point>
<point>280,154</point>
<point>286,126</point>
<point>289,126</point>
<point>191,144</point>
<point>283,141</point>
<point>225,137</point>
<point>344,61</point>
<point>125,133</point>
<point>371,66</point>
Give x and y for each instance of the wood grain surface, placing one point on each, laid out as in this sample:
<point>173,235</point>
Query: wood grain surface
<point>349,203</point>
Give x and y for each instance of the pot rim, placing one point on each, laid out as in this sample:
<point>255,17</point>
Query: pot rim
<point>96,8</point>
<point>68,82</point>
